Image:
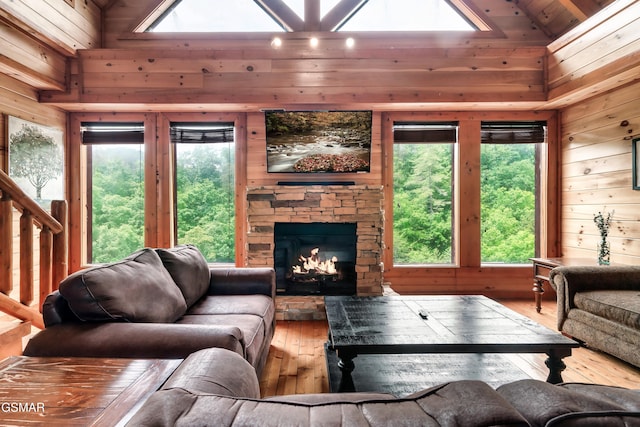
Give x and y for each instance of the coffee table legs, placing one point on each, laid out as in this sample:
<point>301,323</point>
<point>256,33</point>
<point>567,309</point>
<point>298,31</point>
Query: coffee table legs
<point>346,365</point>
<point>556,366</point>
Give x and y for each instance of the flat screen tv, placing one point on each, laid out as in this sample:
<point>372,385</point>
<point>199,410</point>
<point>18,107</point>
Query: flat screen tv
<point>318,141</point>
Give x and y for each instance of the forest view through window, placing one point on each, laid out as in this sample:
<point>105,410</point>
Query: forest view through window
<point>509,161</point>
<point>115,186</point>
<point>423,192</point>
<point>205,208</point>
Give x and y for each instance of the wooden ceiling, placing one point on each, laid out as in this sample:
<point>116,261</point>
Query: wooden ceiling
<point>553,17</point>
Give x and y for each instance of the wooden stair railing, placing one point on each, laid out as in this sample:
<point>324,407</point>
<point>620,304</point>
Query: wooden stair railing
<point>53,250</point>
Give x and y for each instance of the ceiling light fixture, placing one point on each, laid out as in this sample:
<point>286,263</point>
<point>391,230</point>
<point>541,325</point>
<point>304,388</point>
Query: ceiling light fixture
<point>313,42</point>
<point>350,42</point>
<point>276,42</point>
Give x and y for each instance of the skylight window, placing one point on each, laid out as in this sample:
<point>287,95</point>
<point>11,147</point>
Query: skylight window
<point>406,15</point>
<point>252,16</point>
<point>215,16</point>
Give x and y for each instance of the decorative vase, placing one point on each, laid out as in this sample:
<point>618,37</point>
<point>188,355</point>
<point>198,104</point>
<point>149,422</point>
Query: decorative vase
<point>603,251</point>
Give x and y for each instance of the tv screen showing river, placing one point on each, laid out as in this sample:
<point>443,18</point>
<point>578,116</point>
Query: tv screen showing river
<point>318,141</point>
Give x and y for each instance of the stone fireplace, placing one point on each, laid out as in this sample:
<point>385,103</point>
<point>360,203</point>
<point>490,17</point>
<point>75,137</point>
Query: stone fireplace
<point>361,205</point>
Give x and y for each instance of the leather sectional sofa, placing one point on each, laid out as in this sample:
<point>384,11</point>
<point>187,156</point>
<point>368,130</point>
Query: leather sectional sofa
<point>159,303</point>
<point>600,306</point>
<point>217,387</point>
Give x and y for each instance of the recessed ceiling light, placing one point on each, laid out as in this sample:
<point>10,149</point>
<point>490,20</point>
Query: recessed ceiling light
<point>276,42</point>
<point>350,42</point>
<point>313,41</point>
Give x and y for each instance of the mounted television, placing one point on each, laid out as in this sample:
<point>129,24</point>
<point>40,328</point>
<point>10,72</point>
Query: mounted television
<point>318,141</point>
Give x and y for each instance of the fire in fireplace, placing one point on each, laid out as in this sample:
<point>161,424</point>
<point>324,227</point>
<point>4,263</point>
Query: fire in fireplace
<point>315,258</point>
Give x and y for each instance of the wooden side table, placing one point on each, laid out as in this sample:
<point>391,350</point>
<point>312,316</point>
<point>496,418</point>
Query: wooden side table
<point>77,391</point>
<point>542,267</point>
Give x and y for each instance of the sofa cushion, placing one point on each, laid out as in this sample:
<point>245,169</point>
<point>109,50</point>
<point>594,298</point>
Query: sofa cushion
<point>252,327</point>
<point>188,269</point>
<point>573,404</point>
<point>461,403</point>
<point>620,306</point>
<point>135,289</point>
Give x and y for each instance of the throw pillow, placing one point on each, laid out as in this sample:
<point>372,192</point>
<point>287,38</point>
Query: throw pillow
<point>189,270</point>
<point>135,289</point>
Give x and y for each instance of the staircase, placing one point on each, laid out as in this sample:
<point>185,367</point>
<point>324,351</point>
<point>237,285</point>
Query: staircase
<point>22,255</point>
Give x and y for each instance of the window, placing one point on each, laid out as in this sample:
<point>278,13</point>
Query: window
<point>509,167</point>
<point>204,176</point>
<point>115,189</point>
<point>215,16</point>
<point>423,156</point>
<point>285,15</point>
<point>406,15</point>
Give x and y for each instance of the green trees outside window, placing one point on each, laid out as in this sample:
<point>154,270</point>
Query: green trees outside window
<point>205,198</point>
<point>422,203</point>
<point>116,226</point>
<point>423,170</point>
<point>508,197</point>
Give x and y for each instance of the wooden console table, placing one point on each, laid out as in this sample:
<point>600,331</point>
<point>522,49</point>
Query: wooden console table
<point>542,267</point>
<point>77,391</point>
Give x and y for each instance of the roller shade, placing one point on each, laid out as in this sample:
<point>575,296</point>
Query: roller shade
<point>201,133</point>
<point>415,132</point>
<point>112,133</point>
<point>513,132</point>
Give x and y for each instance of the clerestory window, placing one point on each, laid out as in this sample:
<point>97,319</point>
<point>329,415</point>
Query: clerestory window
<point>289,15</point>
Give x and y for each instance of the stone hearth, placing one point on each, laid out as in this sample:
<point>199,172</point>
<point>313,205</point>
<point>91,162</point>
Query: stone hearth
<point>359,204</point>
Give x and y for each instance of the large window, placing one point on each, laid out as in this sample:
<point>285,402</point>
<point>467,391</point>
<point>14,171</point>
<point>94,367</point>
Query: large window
<point>204,167</point>
<point>423,156</point>
<point>509,164</point>
<point>115,189</point>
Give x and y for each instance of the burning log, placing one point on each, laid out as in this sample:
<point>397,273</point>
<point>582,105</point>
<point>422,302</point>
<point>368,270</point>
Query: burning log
<point>312,264</point>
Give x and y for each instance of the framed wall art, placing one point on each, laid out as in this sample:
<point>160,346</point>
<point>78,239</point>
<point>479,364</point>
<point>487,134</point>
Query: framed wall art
<point>36,160</point>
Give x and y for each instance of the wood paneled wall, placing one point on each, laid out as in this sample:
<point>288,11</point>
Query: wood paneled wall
<point>38,37</point>
<point>599,55</point>
<point>596,174</point>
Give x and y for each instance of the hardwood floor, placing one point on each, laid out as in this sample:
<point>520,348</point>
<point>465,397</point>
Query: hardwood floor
<point>297,364</point>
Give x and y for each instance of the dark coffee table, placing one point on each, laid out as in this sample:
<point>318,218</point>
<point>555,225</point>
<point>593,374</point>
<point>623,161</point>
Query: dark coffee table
<point>436,324</point>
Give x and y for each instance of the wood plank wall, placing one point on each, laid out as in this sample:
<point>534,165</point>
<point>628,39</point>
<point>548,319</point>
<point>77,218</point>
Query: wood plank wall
<point>38,37</point>
<point>596,174</point>
<point>19,100</point>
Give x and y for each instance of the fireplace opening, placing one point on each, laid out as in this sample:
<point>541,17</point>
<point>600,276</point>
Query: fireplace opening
<point>315,258</point>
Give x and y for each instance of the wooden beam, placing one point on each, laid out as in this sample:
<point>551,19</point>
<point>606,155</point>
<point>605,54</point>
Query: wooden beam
<point>279,10</point>
<point>312,15</point>
<point>581,9</point>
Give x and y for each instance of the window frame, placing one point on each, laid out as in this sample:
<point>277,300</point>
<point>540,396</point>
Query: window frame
<point>539,150</point>
<point>174,157</point>
<point>158,191</point>
<point>444,133</point>
<point>469,273</point>
<point>130,138</point>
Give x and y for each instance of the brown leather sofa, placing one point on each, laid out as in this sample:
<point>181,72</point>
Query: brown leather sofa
<point>159,303</point>
<point>217,387</point>
<point>600,306</point>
